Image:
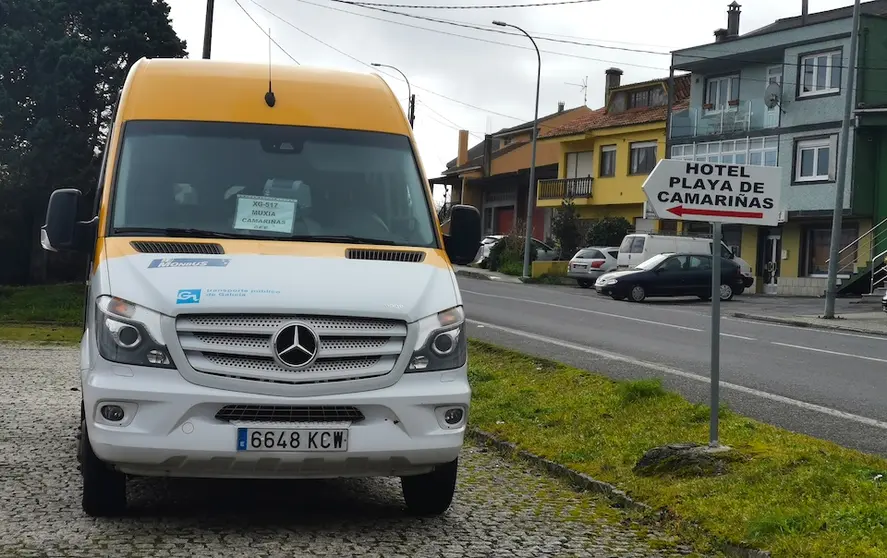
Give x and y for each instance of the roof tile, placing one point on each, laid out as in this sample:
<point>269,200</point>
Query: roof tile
<point>601,119</point>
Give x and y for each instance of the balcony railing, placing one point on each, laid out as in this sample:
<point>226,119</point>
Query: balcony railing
<point>560,188</point>
<point>736,118</point>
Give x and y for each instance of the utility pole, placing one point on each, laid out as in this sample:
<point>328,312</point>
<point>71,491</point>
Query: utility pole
<point>831,292</point>
<point>208,29</point>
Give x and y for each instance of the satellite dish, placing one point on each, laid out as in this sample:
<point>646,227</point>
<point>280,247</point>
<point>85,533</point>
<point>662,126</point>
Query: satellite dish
<point>772,94</point>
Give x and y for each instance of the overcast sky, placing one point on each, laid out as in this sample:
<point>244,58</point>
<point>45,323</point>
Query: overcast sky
<point>499,80</point>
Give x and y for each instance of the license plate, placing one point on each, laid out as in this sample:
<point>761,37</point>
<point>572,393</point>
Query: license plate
<point>292,439</point>
<point>579,266</point>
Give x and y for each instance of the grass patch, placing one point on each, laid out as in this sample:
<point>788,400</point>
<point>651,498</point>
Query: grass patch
<point>44,304</point>
<point>791,494</point>
<point>41,335</point>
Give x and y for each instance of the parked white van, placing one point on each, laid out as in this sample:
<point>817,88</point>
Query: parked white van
<point>638,247</point>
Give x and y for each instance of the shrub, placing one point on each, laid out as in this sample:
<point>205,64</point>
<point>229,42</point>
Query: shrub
<point>608,231</point>
<point>507,255</point>
<point>565,229</point>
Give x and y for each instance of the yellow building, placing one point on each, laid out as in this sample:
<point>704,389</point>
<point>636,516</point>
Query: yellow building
<point>607,154</point>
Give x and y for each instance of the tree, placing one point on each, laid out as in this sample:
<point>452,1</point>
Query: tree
<point>608,231</point>
<point>565,229</point>
<point>62,63</point>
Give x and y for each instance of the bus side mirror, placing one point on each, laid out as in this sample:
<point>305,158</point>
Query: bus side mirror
<point>61,231</point>
<point>463,240</point>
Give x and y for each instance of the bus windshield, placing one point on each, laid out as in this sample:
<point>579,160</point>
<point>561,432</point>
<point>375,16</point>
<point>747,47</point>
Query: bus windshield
<point>270,182</point>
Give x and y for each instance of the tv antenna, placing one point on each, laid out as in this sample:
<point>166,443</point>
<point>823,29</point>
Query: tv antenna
<point>583,87</point>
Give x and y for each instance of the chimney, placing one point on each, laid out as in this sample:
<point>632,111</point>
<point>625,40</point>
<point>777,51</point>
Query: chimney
<point>488,154</point>
<point>805,9</point>
<point>733,13</point>
<point>612,80</point>
<point>560,106</point>
<point>462,156</point>
<point>721,35</point>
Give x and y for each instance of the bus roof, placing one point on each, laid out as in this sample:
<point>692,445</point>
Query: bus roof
<point>213,90</point>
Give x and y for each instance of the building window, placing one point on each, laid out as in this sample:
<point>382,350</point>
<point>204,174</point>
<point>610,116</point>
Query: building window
<point>608,160</point>
<point>643,157</point>
<point>579,165</point>
<point>639,99</point>
<point>820,73</point>
<point>720,91</point>
<point>752,151</point>
<point>817,244</point>
<point>813,160</point>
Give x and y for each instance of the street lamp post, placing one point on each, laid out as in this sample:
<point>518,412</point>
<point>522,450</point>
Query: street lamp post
<point>411,101</point>
<point>531,194</point>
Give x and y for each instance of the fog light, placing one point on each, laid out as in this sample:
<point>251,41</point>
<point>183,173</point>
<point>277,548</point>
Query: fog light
<point>112,413</point>
<point>454,416</point>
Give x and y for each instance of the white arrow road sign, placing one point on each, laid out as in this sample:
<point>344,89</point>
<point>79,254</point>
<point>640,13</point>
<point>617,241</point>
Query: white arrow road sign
<point>712,192</point>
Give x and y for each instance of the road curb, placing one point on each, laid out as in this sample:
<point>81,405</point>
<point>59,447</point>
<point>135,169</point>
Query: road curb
<point>801,323</point>
<point>473,275</point>
<point>487,277</point>
<point>583,482</point>
<point>579,480</point>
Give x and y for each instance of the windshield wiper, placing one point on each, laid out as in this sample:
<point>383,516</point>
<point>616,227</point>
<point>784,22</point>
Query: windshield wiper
<point>175,232</point>
<point>348,239</point>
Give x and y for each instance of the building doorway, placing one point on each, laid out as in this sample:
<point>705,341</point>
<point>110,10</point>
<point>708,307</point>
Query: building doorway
<point>772,258</point>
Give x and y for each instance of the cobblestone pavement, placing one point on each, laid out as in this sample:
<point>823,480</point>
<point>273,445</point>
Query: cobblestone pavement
<point>501,509</point>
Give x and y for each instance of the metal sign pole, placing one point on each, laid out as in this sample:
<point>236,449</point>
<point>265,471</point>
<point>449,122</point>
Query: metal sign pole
<point>715,332</point>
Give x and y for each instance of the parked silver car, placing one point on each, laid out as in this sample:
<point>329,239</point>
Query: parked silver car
<point>884,303</point>
<point>590,263</point>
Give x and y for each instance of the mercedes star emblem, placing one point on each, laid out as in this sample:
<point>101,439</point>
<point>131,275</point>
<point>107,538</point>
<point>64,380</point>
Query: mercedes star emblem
<point>295,345</point>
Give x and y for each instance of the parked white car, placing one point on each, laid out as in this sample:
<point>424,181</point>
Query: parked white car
<point>590,263</point>
<point>544,252</point>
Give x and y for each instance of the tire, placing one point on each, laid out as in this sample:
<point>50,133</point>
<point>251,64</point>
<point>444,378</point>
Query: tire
<point>637,293</point>
<point>432,493</point>
<point>104,490</point>
<point>583,283</point>
<point>726,293</point>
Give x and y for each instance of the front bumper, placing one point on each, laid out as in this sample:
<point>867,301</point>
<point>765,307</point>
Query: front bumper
<point>171,429</point>
<point>585,275</point>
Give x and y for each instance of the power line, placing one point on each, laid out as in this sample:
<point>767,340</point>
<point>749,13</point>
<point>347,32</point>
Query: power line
<point>556,53</point>
<point>478,39</point>
<point>290,56</point>
<point>482,7</point>
<point>343,53</point>
<point>490,29</point>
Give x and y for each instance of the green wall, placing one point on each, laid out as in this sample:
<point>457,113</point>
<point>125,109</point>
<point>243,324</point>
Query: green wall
<point>872,77</point>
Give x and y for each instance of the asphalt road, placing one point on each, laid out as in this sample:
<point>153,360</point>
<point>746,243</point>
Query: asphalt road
<point>502,508</point>
<point>826,384</point>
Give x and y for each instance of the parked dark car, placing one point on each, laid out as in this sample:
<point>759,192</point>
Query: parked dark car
<point>667,275</point>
